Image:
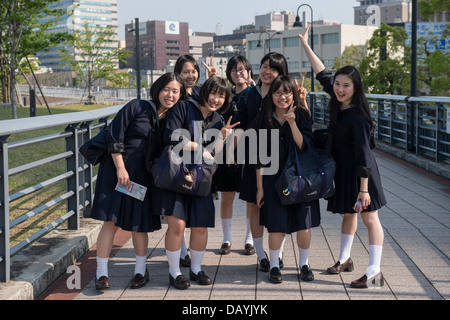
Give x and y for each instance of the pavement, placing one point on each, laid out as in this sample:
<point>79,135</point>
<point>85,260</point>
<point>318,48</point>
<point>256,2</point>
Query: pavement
<point>415,261</point>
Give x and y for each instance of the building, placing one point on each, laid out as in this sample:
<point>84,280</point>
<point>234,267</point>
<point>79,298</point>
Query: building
<point>383,11</point>
<point>274,21</point>
<point>97,14</point>
<point>329,44</point>
<point>196,41</point>
<point>161,43</point>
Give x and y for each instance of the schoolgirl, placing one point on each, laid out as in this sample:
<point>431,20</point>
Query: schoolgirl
<point>272,65</point>
<point>125,163</point>
<point>226,178</point>
<point>357,179</point>
<point>285,111</point>
<point>187,67</point>
<point>195,212</point>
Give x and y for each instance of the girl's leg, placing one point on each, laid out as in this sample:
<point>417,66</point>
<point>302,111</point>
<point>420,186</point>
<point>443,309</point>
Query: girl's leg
<point>199,239</point>
<point>104,244</point>
<point>376,239</point>
<point>140,244</point>
<point>257,229</point>
<point>348,229</point>
<point>303,243</point>
<point>173,241</point>
<point>226,214</point>
<point>275,241</point>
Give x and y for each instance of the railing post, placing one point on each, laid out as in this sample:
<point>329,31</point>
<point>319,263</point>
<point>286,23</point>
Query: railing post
<point>4,212</point>
<point>73,183</point>
<point>86,174</point>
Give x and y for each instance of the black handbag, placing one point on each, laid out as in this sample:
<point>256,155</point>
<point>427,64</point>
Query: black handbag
<point>307,177</point>
<point>171,173</point>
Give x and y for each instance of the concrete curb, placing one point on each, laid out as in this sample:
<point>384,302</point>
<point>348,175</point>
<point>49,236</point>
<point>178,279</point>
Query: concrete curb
<point>36,267</point>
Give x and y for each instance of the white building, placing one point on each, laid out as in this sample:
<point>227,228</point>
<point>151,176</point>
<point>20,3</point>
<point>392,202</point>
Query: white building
<point>329,44</point>
<point>95,13</point>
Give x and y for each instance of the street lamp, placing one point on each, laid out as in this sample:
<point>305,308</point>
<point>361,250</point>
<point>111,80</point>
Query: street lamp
<point>298,23</point>
<point>270,37</point>
<point>138,56</point>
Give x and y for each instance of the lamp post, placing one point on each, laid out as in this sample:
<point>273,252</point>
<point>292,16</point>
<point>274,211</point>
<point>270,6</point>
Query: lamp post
<point>138,56</point>
<point>298,23</point>
<point>270,38</point>
<point>411,144</point>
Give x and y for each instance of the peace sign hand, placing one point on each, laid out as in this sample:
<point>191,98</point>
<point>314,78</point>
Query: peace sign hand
<point>290,115</point>
<point>228,128</point>
<point>302,92</point>
<point>211,70</point>
<point>304,37</point>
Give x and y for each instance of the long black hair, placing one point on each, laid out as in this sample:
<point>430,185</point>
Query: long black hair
<point>264,119</point>
<point>162,82</point>
<point>359,100</point>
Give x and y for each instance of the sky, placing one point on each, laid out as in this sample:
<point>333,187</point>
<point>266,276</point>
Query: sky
<point>203,16</point>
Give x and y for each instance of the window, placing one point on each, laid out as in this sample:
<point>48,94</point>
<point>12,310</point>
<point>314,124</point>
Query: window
<point>275,43</point>
<point>330,38</point>
<point>254,45</point>
<point>291,42</point>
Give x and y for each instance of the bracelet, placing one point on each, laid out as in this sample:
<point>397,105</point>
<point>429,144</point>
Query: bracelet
<point>364,191</point>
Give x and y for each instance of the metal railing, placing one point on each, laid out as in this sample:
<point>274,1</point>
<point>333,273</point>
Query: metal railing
<point>415,124</point>
<point>78,175</point>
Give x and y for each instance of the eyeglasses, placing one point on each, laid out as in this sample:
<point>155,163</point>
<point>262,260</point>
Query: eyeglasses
<point>278,94</point>
<point>235,71</point>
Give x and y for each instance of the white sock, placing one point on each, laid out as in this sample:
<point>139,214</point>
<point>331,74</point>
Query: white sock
<point>102,267</point>
<point>173,257</point>
<point>196,260</point>
<point>258,243</point>
<point>184,251</point>
<point>374,260</point>
<point>346,247</point>
<point>139,267</point>
<point>248,236</point>
<point>303,256</point>
<point>280,254</point>
<point>274,262</point>
<point>226,230</point>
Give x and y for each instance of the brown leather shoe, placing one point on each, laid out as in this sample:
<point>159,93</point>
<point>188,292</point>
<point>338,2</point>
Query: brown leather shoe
<point>338,267</point>
<point>139,280</point>
<point>180,282</point>
<point>102,283</point>
<point>225,248</point>
<point>186,262</point>
<point>249,249</point>
<point>201,278</point>
<point>374,282</point>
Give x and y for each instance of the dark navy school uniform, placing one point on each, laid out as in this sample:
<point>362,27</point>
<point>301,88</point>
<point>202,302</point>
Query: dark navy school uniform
<point>197,211</point>
<point>128,135</point>
<point>354,158</point>
<point>287,218</point>
<point>226,177</point>
<point>247,110</point>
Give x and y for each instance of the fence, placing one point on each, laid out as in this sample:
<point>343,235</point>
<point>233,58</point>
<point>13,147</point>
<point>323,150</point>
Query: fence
<point>417,124</point>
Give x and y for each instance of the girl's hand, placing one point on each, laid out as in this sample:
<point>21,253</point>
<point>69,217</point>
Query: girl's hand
<point>227,129</point>
<point>290,115</point>
<point>260,197</point>
<point>302,93</point>
<point>211,70</point>
<point>250,80</point>
<point>122,177</point>
<point>365,199</point>
<point>304,37</point>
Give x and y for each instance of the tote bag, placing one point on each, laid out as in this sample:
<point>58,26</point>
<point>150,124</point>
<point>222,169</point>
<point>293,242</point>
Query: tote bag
<point>307,177</point>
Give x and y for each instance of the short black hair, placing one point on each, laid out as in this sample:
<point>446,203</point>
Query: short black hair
<point>162,82</point>
<point>212,85</point>
<point>232,64</point>
<point>182,60</point>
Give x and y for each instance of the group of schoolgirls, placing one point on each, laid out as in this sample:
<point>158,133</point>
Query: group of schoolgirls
<point>276,102</point>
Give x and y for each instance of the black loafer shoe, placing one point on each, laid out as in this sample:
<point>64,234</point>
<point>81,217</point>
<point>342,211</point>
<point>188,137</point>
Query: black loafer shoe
<point>139,280</point>
<point>275,275</point>
<point>180,282</point>
<point>201,278</point>
<point>280,263</point>
<point>264,265</point>
<point>306,274</point>
<point>186,262</point>
<point>102,283</point>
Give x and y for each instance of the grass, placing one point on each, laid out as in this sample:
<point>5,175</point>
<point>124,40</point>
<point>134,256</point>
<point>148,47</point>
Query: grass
<point>19,182</point>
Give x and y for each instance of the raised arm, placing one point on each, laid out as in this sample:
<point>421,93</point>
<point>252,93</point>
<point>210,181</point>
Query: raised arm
<point>316,63</point>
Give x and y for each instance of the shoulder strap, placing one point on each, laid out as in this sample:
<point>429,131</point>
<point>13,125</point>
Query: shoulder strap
<point>153,111</point>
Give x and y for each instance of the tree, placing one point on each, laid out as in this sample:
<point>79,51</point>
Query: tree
<point>384,68</point>
<point>21,35</point>
<point>93,57</point>
<point>353,55</point>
